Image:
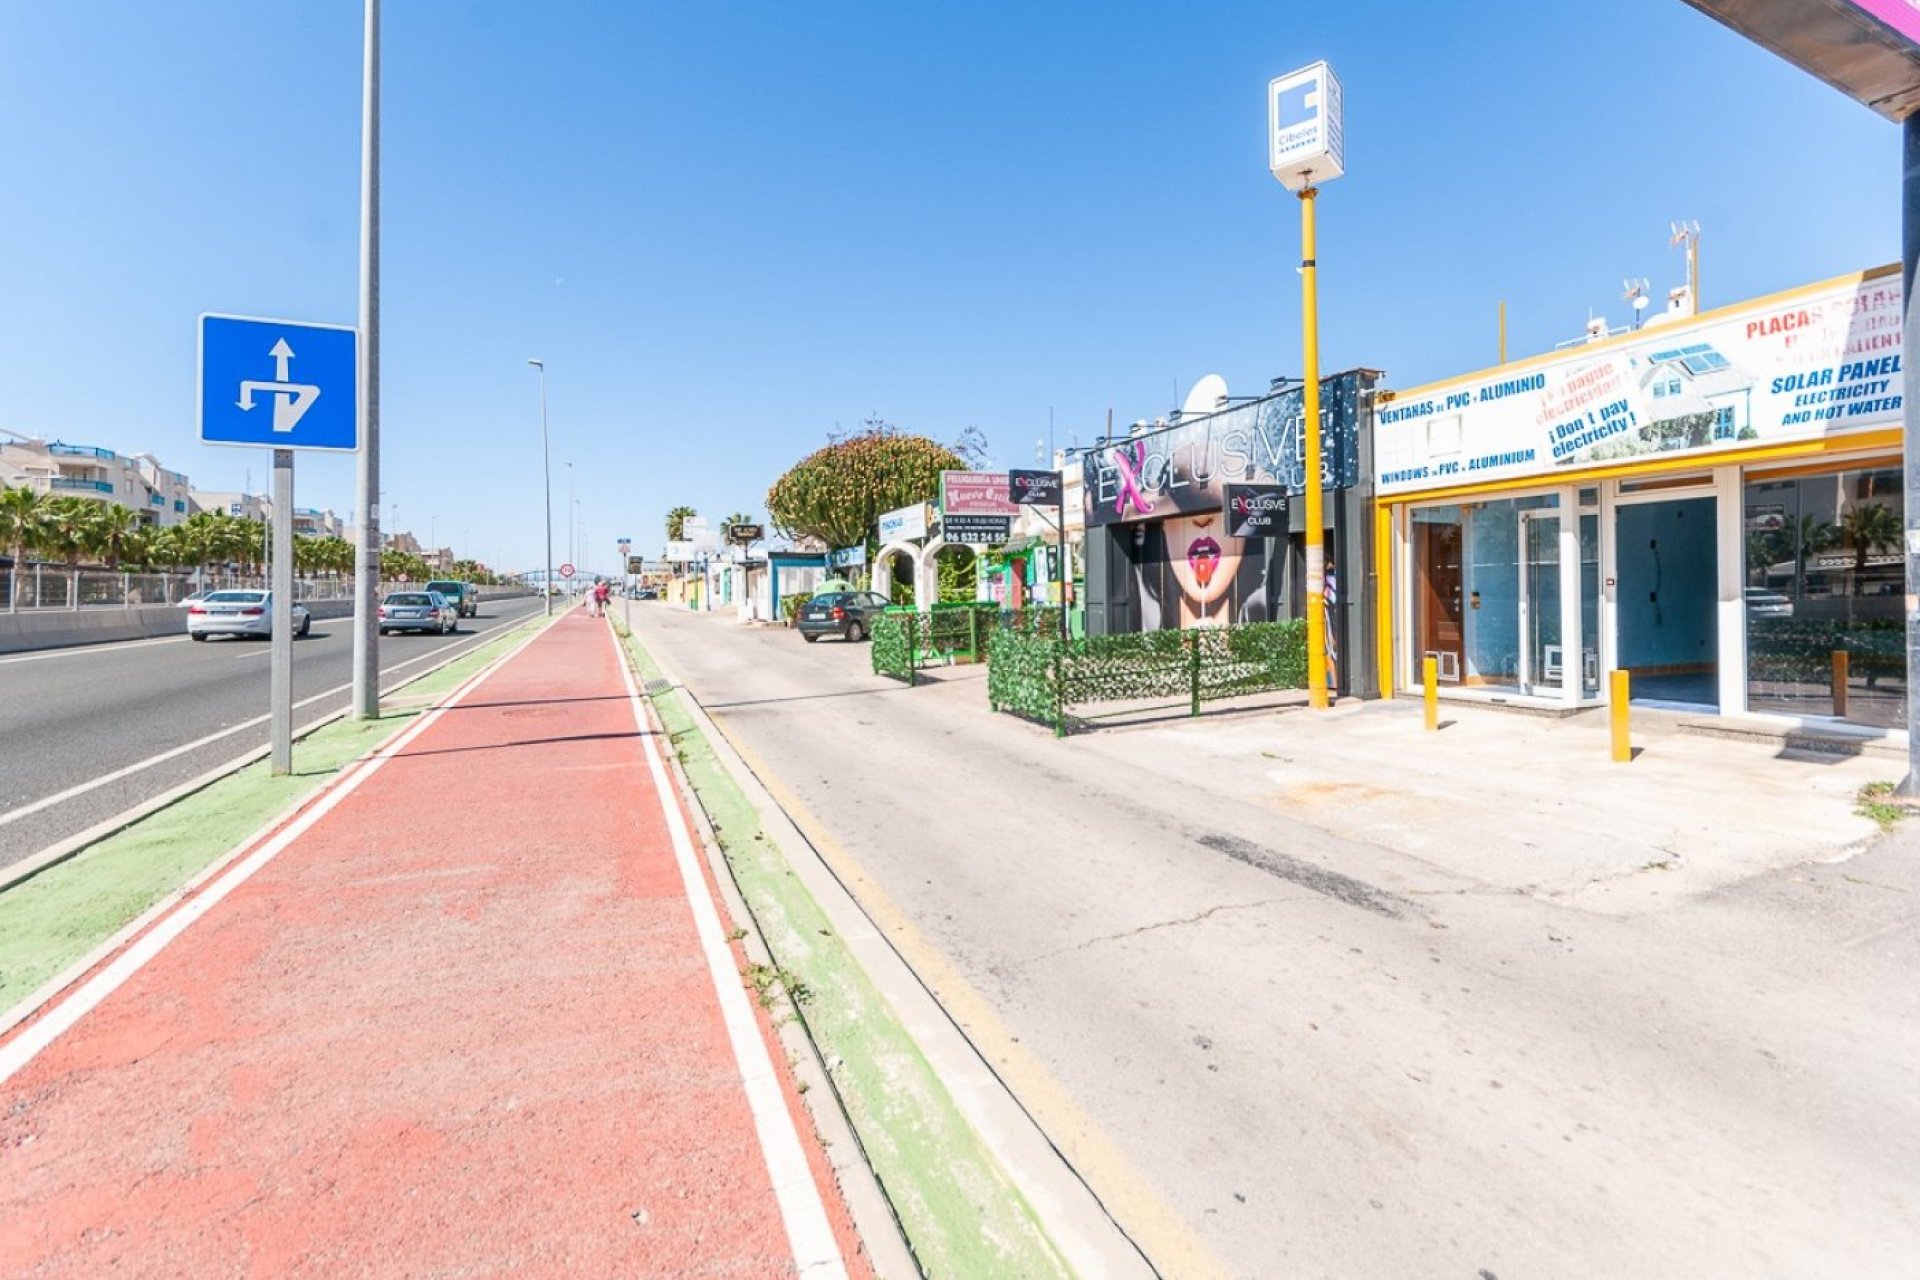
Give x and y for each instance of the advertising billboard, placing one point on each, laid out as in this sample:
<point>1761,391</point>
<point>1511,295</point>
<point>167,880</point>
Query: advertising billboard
<point>1797,366</point>
<point>1181,469</point>
<point>975,493</point>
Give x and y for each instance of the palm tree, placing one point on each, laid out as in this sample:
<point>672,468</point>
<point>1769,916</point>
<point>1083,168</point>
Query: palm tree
<point>22,516</point>
<point>1869,527</point>
<point>738,517</point>
<point>113,526</point>
<point>72,528</point>
<point>677,522</point>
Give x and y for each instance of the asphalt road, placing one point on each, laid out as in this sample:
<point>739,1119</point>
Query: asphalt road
<point>1271,1050</point>
<point>71,717</point>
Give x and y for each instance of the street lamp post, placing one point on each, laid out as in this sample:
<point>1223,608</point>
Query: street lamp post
<point>546,486</point>
<point>573,515</point>
<point>366,564</point>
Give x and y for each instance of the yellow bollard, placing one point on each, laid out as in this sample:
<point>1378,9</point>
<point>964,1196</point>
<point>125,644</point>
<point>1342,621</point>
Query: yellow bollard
<point>1622,737</point>
<point>1430,690</point>
<point>1840,682</point>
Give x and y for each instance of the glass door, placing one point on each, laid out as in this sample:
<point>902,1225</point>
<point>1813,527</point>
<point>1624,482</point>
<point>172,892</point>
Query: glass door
<point>1543,658</point>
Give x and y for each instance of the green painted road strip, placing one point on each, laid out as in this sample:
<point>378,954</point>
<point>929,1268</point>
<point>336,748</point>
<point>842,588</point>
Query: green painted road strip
<point>52,920</point>
<point>961,1213</point>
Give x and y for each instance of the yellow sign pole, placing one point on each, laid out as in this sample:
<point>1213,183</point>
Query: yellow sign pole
<point>1310,457</point>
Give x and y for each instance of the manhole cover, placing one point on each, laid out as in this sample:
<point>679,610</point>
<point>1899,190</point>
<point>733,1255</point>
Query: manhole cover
<point>657,687</point>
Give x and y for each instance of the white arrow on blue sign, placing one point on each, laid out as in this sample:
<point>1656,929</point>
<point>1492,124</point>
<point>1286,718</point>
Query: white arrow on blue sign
<point>279,384</point>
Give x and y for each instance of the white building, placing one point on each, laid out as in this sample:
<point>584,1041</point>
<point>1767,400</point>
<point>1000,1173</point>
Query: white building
<point>139,483</point>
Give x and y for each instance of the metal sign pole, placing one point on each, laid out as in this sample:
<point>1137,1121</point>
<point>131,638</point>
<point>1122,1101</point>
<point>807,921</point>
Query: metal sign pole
<point>1910,426</point>
<point>280,686</point>
<point>1061,507</point>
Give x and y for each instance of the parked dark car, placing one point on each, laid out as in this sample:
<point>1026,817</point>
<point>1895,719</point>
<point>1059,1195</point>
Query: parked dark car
<point>463,596</point>
<point>839,613</point>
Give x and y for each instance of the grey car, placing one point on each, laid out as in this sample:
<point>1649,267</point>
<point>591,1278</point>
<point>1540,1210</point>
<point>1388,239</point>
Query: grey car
<point>839,613</point>
<point>418,611</point>
<point>240,613</point>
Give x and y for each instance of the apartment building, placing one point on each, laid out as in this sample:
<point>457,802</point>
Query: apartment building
<point>242,506</point>
<point>140,483</point>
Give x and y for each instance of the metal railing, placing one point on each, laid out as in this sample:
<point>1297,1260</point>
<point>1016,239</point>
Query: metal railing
<point>52,586</point>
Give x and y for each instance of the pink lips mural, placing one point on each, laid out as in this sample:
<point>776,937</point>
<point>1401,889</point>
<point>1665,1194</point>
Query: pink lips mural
<point>1203,557</point>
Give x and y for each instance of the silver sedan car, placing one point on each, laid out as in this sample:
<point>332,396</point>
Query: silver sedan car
<point>418,611</point>
<point>240,613</point>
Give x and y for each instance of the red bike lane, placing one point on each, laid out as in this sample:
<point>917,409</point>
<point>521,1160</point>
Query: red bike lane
<point>476,1019</point>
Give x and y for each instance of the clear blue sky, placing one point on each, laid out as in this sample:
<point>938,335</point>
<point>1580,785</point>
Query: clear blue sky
<point>729,227</point>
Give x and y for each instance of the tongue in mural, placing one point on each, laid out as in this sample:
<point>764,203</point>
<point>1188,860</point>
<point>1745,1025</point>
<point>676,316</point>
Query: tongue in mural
<point>1203,557</point>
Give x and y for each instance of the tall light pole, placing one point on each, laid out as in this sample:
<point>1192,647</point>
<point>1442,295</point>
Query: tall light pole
<point>573,515</point>
<point>546,485</point>
<point>366,560</point>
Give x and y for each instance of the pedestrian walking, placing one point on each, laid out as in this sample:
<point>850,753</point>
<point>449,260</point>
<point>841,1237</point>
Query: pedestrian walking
<point>601,591</point>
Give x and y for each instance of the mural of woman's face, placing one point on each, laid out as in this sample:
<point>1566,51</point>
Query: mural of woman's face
<point>1205,560</point>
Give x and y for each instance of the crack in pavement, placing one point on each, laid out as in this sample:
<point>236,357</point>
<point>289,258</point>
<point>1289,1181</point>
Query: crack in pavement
<point>1354,893</point>
<point>1158,924</point>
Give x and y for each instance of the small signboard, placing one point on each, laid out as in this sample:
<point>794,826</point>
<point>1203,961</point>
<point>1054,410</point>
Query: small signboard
<point>745,533</point>
<point>1306,141</point>
<point>636,564</point>
<point>1256,510</point>
<point>1035,488</point>
<point>906,522</point>
<point>975,493</point>
<point>979,531</point>
<point>847,557</point>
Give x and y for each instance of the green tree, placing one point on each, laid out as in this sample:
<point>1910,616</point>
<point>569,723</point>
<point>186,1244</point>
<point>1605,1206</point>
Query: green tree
<point>837,493</point>
<point>22,518</point>
<point>114,526</point>
<point>72,529</point>
<point>677,522</point>
<point>1869,527</point>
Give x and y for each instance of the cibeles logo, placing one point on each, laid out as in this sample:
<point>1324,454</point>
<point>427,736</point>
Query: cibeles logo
<point>1298,104</point>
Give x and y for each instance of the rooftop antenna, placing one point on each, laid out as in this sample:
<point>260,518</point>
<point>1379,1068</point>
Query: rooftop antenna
<point>1687,232</point>
<point>1636,296</point>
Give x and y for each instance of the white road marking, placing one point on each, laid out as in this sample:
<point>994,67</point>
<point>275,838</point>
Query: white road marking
<point>81,650</point>
<point>17,1053</point>
<point>815,1251</point>
<point>139,766</point>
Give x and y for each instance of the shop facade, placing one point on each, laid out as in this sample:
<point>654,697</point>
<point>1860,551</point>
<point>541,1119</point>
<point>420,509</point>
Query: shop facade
<point>1713,504</point>
<point>1169,542</point>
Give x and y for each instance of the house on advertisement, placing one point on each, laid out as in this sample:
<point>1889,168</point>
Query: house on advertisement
<point>1713,505</point>
<point>1197,522</point>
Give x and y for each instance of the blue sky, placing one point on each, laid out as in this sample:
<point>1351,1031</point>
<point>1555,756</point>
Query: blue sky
<point>730,228</point>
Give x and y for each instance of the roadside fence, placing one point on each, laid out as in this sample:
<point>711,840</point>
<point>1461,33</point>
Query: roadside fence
<point>54,586</point>
<point>1037,675</point>
<point>904,640</point>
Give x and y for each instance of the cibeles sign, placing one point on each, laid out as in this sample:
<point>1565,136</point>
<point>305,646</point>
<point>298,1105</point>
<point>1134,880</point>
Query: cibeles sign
<point>1306,141</point>
<point>1817,362</point>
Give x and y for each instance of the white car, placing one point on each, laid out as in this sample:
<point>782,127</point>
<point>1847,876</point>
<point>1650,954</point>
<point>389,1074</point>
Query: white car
<point>1762,603</point>
<point>240,613</point>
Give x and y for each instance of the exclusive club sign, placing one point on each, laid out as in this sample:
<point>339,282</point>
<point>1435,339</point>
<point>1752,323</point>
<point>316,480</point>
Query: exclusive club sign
<point>1256,510</point>
<point>1035,488</point>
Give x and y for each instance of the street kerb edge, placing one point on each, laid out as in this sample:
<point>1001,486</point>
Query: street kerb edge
<point>42,1017</point>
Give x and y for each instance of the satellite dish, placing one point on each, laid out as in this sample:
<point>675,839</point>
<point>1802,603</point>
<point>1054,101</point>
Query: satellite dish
<point>1209,395</point>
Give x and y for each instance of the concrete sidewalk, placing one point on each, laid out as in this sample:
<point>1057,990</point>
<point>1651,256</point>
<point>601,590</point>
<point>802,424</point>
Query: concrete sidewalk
<point>472,1012</point>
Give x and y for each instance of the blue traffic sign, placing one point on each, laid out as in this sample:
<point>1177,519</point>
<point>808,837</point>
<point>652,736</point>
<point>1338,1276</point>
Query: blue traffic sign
<point>282,384</point>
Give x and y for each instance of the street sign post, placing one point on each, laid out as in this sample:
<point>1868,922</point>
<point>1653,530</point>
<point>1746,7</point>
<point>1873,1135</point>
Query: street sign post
<point>280,385</point>
<point>1029,488</point>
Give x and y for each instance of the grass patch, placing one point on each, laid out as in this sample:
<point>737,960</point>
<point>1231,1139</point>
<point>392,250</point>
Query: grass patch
<point>962,1216</point>
<point>1878,802</point>
<point>53,919</point>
